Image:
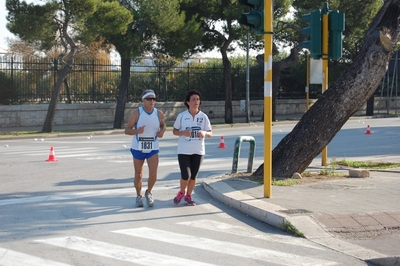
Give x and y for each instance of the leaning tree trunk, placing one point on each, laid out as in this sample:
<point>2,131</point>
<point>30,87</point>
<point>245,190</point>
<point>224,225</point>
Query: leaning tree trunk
<point>62,74</point>
<point>347,95</point>
<point>122,93</point>
<point>51,110</point>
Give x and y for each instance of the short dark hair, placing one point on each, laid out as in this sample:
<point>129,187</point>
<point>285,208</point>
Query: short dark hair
<point>189,94</point>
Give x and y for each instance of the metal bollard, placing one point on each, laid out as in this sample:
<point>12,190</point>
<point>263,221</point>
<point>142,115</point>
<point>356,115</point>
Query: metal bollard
<point>236,152</point>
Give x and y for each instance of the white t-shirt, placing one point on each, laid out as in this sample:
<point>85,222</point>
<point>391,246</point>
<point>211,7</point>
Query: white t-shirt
<point>193,144</point>
<point>147,141</point>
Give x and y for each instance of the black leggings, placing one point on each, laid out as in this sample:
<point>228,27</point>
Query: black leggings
<point>189,165</point>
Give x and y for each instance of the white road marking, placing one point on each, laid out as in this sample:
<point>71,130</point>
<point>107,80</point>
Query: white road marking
<point>223,247</point>
<point>14,258</point>
<point>117,252</point>
<point>73,196</point>
<point>42,150</point>
<point>241,231</point>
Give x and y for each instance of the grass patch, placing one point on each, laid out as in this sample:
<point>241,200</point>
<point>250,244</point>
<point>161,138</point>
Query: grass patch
<point>330,172</point>
<point>288,227</point>
<point>369,165</point>
<point>20,133</point>
<point>307,177</point>
<point>286,182</point>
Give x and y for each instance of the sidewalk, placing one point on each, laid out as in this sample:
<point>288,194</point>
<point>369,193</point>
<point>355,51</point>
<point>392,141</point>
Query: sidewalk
<point>356,216</point>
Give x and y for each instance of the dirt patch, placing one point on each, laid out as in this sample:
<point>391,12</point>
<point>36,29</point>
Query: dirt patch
<point>364,235</point>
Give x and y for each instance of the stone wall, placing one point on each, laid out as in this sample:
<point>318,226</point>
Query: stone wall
<point>72,114</point>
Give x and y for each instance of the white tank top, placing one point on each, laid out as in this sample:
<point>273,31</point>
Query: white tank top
<point>147,141</point>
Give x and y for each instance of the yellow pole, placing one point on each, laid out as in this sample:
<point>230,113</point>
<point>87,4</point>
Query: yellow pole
<point>325,34</point>
<point>268,31</point>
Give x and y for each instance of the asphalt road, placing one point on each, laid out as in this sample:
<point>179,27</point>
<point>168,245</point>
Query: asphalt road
<point>80,210</point>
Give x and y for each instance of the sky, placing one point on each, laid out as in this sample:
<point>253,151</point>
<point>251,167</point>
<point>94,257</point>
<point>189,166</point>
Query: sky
<point>3,21</point>
<point>4,33</point>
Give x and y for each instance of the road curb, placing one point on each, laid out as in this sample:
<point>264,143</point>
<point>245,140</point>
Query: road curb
<point>245,203</point>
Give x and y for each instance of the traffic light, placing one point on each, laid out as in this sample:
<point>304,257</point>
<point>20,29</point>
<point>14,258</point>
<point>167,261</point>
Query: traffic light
<point>255,18</point>
<point>336,28</point>
<point>314,31</point>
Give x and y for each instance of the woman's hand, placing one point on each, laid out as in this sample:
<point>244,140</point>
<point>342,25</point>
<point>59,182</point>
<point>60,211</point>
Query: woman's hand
<point>187,132</point>
<point>202,134</point>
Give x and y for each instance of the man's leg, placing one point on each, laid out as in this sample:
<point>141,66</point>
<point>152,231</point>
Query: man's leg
<point>152,163</point>
<point>137,181</point>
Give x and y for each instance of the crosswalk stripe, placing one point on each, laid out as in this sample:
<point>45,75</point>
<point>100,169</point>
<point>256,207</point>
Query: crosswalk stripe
<point>241,231</point>
<point>94,153</point>
<point>117,252</point>
<point>77,195</point>
<point>223,247</point>
<point>74,155</point>
<point>38,151</point>
<point>14,258</point>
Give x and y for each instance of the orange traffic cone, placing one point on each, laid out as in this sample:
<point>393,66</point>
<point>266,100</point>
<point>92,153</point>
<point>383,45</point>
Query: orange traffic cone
<point>52,157</point>
<point>222,143</point>
<point>368,130</point>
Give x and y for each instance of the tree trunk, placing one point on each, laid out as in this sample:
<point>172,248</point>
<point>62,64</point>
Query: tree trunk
<point>67,89</point>
<point>62,74</point>
<point>345,96</point>
<point>122,93</point>
<point>370,106</point>
<point>228,87</point>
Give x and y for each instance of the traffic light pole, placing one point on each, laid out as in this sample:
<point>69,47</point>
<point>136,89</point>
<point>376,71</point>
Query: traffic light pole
<point>268,32</point>
<point>308,58</point>
<point>325,60</point>
<point>331,25</point>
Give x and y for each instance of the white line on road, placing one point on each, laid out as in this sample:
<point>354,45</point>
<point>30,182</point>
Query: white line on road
<point>122,253</point>
<point>72,196</point>
<point>14,258</point>
<point>241,231</point>
<point>38,151</point>
<point>228,248</point>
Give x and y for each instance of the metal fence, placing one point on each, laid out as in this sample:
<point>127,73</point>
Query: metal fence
<point>31,80</point>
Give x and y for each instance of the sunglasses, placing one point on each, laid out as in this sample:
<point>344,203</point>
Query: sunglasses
<point>150,99</point>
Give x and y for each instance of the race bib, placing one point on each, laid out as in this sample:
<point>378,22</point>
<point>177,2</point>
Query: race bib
<point>194,133</point>
<point>146,144</point>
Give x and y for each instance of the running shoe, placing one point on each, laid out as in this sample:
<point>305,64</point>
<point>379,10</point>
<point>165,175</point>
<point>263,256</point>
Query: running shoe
<point>189,201</point>
<point>149,198</point>
<point>178,197</point>
<point>139,201</point>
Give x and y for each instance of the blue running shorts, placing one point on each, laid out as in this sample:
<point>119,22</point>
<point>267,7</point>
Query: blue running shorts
<point>141,155</point>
